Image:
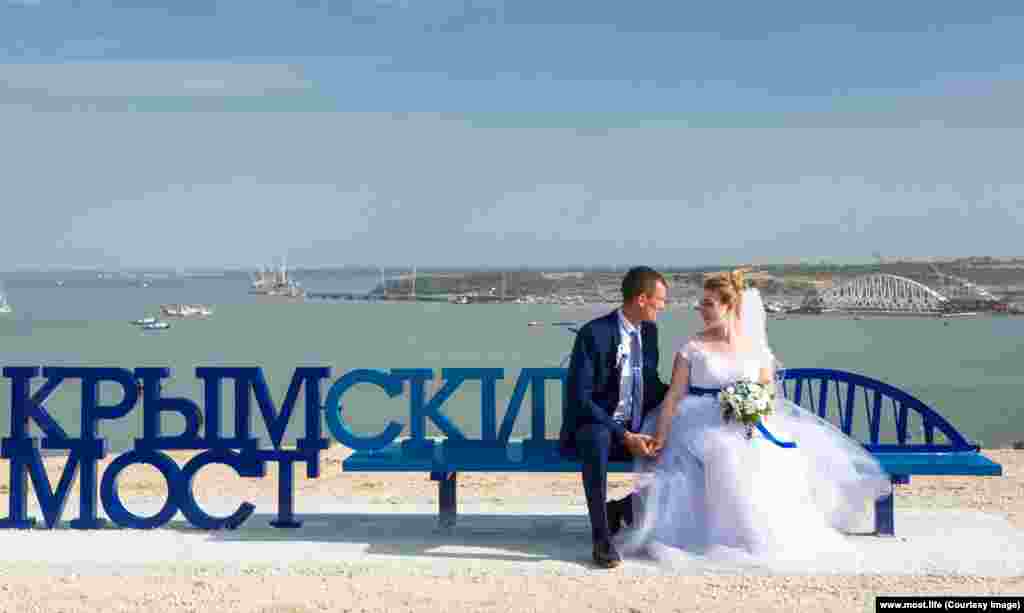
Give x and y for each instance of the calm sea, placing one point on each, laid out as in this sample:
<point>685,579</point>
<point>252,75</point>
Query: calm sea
<point>968,369</point>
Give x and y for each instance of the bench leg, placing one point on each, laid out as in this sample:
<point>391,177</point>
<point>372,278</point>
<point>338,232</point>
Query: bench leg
<point>885,522</point>
<point>447,511</point>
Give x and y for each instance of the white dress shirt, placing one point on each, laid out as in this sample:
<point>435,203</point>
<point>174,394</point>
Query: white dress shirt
<point>623,358</point>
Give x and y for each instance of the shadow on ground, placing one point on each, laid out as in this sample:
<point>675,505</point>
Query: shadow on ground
<point>491,536</point>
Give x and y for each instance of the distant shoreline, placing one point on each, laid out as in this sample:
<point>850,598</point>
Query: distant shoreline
<point>995,288</point>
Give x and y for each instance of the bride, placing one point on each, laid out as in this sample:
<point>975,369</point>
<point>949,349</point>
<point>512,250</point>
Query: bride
<point>711,490</point>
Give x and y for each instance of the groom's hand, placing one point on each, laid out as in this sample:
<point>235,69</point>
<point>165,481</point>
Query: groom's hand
<point>639,445</point>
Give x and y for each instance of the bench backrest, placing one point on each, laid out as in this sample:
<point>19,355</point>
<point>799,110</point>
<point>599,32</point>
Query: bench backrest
<point>860,406</point>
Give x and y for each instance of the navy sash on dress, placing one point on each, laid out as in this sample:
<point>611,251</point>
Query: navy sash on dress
<point>713,391</point>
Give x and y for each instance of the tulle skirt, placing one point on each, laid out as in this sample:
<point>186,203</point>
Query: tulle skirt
<point>712,492</point>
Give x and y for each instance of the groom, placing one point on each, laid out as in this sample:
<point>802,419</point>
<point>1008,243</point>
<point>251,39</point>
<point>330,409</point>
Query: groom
<point>612,383</point>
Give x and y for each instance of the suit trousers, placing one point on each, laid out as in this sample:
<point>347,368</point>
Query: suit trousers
<point>596,447</point>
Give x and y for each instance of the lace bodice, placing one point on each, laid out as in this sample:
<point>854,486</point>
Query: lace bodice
<point>717,369</point>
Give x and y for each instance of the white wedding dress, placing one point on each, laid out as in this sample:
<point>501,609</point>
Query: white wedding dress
<point>714,493</point>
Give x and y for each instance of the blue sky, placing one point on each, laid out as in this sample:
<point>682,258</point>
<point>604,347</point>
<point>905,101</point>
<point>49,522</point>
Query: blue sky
<point>399,132</point>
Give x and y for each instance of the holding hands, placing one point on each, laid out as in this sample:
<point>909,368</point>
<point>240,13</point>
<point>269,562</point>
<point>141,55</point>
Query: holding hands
<point>641,445</point>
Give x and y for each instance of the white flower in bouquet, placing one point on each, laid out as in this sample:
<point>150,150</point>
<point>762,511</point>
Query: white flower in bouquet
<point>746,402</point>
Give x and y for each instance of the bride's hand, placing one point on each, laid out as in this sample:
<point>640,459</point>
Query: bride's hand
<point>658,444</point>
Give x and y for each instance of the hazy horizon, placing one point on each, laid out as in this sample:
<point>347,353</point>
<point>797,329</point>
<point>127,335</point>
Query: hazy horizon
<point>556,266</point>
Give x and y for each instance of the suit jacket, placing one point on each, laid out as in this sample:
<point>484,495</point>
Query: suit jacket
<point>592,385</point>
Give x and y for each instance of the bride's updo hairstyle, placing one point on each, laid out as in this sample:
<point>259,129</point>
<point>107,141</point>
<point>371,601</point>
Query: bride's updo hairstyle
<point>729,287</point>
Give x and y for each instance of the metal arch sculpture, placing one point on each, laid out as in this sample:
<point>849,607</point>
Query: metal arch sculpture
<point>839,396</point>
<point>883,292</point>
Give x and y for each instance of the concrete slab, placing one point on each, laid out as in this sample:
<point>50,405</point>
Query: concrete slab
<point>532,538</point>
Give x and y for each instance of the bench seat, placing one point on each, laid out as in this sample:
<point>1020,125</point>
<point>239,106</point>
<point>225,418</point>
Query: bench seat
<point>517,456</point>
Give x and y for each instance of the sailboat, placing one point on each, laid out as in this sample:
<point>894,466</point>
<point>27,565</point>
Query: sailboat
<point>5,307</point>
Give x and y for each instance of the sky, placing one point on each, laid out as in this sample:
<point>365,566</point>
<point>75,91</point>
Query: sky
<point>442,132</point>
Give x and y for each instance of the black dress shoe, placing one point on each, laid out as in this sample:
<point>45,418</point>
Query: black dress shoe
<point>605,555</point>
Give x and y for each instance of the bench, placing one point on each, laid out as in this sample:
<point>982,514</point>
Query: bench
<point>919,442</point>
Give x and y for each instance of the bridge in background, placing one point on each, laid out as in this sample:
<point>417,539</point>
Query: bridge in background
<point>891,293</point>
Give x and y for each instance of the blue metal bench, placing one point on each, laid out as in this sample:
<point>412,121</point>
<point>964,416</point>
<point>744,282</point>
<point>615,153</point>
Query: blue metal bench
<point>920,442</point>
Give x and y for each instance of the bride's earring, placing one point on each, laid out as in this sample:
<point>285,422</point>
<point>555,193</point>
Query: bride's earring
<point>730,325</point>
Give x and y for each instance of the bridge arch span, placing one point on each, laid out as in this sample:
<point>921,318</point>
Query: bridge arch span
<point>882,292</point>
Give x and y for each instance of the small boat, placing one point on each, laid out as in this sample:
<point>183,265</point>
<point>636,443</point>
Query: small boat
<point>145,321</point>
<point>185,310</point>
<point>156,325</point>
<point>5,307</point>
<point>533,323</point>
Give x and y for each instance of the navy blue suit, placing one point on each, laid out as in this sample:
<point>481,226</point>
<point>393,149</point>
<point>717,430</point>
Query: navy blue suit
<point>589,433</point>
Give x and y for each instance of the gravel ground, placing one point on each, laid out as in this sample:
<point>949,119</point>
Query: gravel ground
<point>402,585</point>
<point>393,594</point>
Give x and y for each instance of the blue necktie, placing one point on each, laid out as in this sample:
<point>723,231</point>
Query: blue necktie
<point>636,397</point>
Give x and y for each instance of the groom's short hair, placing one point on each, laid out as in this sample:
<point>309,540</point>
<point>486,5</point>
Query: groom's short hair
<point>641,280</point>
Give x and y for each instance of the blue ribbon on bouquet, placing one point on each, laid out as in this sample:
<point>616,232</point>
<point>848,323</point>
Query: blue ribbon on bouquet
<point>712,391</point>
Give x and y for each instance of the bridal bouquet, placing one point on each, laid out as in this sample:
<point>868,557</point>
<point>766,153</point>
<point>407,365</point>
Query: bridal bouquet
<point>746,402</point>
